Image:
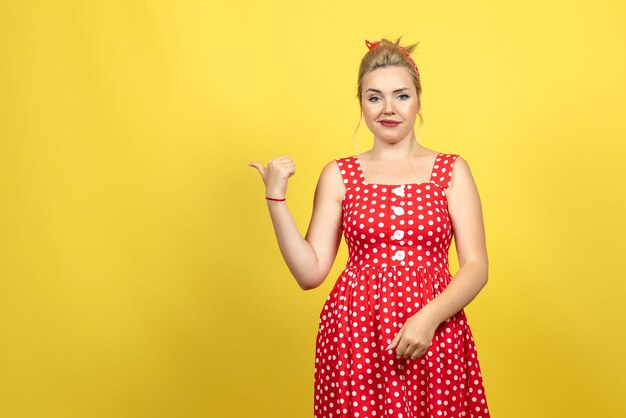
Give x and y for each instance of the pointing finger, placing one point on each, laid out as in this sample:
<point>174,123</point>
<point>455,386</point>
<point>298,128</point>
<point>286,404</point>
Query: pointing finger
<point>258,166</point>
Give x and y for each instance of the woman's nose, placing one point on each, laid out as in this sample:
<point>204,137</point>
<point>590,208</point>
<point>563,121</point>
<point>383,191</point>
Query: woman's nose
<point>388,107</point>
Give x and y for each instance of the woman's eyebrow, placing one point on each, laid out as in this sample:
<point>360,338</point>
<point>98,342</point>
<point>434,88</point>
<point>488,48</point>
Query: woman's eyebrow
<point>395,91</point>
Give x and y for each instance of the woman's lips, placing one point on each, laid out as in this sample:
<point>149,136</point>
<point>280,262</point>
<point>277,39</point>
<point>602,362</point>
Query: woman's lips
<point>389,124</point>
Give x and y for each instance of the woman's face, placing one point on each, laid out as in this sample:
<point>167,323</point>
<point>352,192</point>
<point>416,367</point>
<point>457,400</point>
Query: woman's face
<point>389,94</point>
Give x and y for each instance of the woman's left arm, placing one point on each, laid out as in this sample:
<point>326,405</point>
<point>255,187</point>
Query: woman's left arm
<point>469,236</point>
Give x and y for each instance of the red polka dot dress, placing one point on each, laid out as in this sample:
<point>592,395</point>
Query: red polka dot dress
<point>398,238</point>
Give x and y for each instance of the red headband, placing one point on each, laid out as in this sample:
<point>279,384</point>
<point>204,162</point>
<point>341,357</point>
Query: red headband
<point>375,44</point>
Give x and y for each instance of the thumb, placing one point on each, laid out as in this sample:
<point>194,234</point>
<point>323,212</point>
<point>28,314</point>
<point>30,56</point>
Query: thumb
<point>395,340</point>
<point>258,166</point>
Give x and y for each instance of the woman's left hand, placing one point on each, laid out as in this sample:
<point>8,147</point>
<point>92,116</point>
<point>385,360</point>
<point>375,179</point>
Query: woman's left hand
<point>414,337</point>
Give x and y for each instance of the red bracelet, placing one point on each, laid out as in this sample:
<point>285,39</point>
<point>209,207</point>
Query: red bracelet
<point>271,198</point>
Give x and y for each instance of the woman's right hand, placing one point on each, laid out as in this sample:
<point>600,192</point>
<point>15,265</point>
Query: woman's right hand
<point>275,175</point>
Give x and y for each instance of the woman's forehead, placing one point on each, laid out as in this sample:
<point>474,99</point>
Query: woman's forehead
<point>388,78</point>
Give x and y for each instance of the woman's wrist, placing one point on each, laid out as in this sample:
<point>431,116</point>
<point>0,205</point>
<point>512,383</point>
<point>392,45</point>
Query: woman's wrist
<point>278,195</point>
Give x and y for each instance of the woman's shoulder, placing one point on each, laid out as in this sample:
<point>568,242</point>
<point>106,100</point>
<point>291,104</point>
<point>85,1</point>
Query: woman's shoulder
<point>345,158</point>
<point>435,153</point>
<point>332,179</point>
<point>338,166</point>
<point>448,154</point>
<point>342,169</point>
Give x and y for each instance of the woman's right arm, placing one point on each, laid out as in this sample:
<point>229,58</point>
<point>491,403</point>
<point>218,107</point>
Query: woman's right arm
<point>310,258</point>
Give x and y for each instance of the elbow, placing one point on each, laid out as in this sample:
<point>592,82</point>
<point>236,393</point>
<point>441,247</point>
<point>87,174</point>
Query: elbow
<point>485,274</point>
<point>307,286</point>
<point>310,282</point>
<point>480,270</point>
<point>304,285</point>
<point>313,277</point>
<point>305,282</point>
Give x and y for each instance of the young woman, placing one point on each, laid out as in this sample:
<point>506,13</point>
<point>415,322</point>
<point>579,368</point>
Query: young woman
<point>393,338</point>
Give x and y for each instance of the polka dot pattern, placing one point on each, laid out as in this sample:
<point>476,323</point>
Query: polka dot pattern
<point>398,238</point>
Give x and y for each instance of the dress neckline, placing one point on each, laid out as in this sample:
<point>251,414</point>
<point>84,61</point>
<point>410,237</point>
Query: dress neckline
<point>358,161</point>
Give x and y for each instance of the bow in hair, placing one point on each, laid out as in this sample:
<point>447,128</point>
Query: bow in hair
<point>371,46</point>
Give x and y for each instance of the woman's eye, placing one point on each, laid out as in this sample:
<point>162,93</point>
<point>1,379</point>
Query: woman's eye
<point>404,96</point>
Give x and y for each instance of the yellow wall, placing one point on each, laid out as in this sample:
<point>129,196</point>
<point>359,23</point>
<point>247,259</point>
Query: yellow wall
<point>139,273</point>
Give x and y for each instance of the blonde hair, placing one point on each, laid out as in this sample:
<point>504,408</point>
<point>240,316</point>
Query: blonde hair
<point>385,54</point>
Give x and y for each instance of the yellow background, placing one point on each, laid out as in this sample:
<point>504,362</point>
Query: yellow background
<point>139,271</point>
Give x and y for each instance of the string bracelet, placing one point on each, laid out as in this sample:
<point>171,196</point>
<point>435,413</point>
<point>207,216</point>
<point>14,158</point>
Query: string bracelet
<point>271,198</point>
